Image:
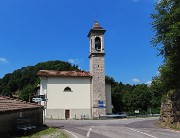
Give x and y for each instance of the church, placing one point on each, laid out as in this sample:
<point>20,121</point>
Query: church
<point>78,94</point>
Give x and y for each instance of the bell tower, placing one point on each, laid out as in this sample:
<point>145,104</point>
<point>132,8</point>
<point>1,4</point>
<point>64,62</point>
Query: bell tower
<point>96,56</point>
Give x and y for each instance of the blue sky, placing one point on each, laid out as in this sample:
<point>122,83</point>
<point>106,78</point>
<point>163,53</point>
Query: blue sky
<point>33,31</point>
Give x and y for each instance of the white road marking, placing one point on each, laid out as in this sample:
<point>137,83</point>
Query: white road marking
<point>71,133</point>
<point>88,133</point>
<point>142,133</point>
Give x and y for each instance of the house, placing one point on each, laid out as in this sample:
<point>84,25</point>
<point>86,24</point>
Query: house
<point>78,94</point>
<point>13,109</point>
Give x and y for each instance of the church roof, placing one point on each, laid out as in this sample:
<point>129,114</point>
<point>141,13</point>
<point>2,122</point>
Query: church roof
<point>10,104</point>
<point>56,73</point>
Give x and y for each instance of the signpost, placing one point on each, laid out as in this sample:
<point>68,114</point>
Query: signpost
<point>39,98</point>
<point>36,99</point>
<point>136,111</point>
<point>100,104</point>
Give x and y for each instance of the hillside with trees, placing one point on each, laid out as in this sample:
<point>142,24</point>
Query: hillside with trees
<point>23,82</point>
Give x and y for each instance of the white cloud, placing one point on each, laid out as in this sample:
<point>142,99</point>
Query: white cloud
<point>148,83</point>
<point>3,60</point>
<point>71,60</point>
<point>135,80</point>
<point>74,61</point>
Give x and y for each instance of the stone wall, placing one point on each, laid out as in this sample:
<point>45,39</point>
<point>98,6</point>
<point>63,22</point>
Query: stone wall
<point>170,109</point>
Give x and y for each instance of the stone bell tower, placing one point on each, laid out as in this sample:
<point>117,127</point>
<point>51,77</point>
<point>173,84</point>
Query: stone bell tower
<point>96,56</point>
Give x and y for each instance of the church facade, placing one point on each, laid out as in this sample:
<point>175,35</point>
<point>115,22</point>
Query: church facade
<point>78,94</point>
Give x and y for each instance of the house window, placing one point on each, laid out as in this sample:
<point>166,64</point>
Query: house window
<point>67,89</point>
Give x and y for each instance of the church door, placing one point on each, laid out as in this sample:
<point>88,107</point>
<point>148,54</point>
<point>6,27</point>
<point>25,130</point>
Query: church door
<point>67,114</point>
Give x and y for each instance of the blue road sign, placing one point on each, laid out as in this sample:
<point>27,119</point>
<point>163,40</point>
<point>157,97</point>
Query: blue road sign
<point>100,104</point>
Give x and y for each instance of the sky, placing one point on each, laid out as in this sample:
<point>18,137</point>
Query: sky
<point>33,31</point>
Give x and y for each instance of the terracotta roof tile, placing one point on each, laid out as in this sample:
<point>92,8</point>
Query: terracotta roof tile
<point>63,73</point>
<point>10,104</point>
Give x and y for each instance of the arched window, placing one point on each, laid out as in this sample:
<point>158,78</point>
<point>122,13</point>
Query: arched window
<point>97,43</point>
<point>67,89</point>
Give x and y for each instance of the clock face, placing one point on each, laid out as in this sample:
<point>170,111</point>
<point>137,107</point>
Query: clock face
<point>97,43</point>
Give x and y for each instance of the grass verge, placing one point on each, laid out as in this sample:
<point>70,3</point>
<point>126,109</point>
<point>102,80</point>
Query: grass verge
<point>47,133</point>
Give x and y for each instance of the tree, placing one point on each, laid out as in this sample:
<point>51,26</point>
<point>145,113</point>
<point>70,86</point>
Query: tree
<point>117,97</point>
<point>138,99</point>
<point>157,89</point>
<point>116,94</point>
<point>117,102</point>
<point>27,92</point>
<point>167,27</point>
<point>167,38</point>
<point>109,80</point>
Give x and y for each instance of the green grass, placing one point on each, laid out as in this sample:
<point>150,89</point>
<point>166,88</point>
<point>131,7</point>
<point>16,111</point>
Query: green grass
<point>49,132</point>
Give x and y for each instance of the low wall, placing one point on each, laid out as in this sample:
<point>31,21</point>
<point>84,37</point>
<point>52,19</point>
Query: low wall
<point>8,119</point>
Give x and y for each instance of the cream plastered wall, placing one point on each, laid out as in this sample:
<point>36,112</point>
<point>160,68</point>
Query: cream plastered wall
<point>79,98</point>
<point>108,99</point>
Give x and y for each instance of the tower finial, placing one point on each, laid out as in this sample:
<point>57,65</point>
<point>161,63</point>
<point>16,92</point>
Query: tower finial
<point>96,25</point>
<point>96,28</point>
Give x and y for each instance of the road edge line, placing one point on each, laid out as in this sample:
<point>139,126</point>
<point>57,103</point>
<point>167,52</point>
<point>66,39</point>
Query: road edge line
<point>142,133</point>
<point>71,133</point>
<point>88,133</point>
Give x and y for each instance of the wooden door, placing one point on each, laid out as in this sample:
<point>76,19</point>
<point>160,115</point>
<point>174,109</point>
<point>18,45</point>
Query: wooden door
<point>67,114</point>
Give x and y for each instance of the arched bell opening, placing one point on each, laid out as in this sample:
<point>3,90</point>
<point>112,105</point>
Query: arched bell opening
<point>97,43</point>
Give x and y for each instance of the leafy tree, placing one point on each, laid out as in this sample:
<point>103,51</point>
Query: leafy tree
<point>27,92</point>
<point>167,27</point>
<point>117,102</point>
<point>109,80</point>
<point>138,99</point>
<point>116,89</point>
<point>157,92</point>
<point>127,88</point>
<point>126,97</point>
<point>166,23</point>
<point>117,97</point>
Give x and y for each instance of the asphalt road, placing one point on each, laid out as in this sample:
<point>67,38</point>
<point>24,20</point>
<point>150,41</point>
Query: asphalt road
<point>116,128</point>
